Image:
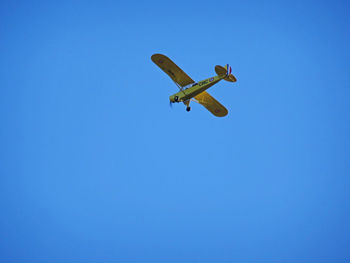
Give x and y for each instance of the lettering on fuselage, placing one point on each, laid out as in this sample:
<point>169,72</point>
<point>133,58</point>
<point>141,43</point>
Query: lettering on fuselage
<point>203,82</point>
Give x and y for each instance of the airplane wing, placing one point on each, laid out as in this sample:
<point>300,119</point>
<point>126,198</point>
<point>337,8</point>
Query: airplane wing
<point>170,68</point>
<point>211,104</point>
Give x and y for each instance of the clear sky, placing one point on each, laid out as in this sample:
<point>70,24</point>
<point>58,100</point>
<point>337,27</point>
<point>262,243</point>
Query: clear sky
<point>96,167</point>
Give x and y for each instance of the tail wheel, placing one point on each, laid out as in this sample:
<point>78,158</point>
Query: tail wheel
<point>188,108</point>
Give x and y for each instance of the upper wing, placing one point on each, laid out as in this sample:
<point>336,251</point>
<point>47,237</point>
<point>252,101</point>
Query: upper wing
<point>211,104</point>
<point>170,68</point>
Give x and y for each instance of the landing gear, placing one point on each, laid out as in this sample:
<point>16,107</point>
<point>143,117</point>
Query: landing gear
<point>188,108</point>
<point>176,98</point>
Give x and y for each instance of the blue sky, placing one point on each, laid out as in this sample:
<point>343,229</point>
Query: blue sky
<point>95,166</point>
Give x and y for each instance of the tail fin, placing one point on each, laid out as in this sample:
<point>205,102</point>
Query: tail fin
<point>221,71</point>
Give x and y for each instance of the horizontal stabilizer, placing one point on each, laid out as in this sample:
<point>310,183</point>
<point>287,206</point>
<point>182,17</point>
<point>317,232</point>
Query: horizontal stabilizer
<point>222,71</point>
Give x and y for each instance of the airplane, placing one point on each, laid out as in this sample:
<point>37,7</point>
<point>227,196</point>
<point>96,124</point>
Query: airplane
<point>191,90</point>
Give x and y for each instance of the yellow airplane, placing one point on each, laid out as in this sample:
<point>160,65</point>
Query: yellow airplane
<point>191,90</point>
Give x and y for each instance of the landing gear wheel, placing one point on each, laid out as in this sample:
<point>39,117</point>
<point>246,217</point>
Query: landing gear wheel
<point>176,98</point>
<point>188,108</point>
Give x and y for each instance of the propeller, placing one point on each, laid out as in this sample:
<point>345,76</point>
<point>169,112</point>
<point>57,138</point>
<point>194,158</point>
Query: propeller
<point>171,104</point>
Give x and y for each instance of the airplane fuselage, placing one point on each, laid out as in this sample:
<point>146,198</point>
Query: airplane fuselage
<point>195,89</point>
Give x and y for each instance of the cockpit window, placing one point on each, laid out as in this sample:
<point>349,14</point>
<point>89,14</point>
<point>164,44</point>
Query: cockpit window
<point>190,85</point>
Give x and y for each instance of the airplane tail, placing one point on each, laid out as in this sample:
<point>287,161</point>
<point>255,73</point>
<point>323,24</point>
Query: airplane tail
<point>227,71</point>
